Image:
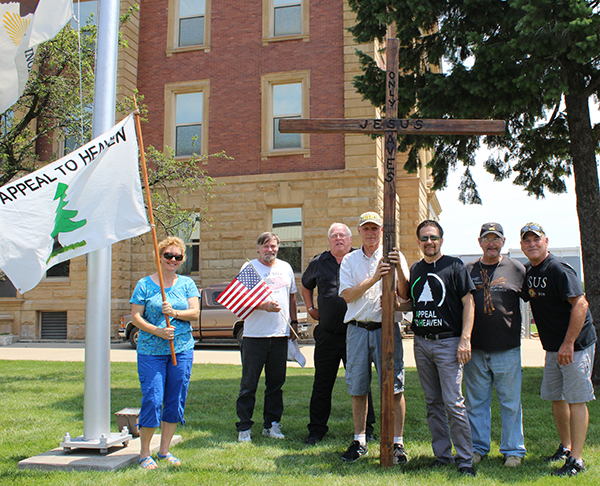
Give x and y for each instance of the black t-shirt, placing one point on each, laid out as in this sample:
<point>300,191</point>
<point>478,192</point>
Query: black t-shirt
<point>547,287</point>
<point>323,272</point>
<point>497,297</point>
<point>436,290</point>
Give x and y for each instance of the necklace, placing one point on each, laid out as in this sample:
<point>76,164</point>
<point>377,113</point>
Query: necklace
<point>488,304</point>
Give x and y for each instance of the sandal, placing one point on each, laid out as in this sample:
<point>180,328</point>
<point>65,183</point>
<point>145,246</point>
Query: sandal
<point>170,458</point>
<point>147,463</point>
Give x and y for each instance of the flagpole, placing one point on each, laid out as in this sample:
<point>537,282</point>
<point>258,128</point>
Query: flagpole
<point>96,399</point>
<point>151,218</point>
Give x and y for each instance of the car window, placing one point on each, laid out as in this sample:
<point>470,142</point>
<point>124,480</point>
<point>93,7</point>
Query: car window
<point>213,298</point>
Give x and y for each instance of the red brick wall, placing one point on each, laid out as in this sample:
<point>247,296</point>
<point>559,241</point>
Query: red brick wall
<point>234,65</point>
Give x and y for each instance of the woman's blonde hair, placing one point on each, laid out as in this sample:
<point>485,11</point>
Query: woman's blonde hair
<point>171,241</point>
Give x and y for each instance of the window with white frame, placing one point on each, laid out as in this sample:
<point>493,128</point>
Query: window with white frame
<point>287,224</point>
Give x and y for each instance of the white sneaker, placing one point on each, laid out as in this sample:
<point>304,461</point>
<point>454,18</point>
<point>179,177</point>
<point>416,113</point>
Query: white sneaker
<point>274,432</point>
<point>245,436</point>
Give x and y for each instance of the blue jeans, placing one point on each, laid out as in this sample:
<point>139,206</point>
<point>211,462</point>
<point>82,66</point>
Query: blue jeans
<point>501,369</point>
<point>164,387</point>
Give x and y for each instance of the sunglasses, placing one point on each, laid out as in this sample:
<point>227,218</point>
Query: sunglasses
<point>430,237</point>
<point>532,227</point>
<point>170,256</point>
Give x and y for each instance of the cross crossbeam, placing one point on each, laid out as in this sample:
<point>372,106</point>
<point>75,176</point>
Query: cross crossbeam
<point>403,126</point>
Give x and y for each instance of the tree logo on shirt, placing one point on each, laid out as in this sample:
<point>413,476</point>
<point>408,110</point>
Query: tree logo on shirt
<point>432,289</point>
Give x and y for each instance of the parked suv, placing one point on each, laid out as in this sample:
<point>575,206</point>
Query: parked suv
<point>217,324</point>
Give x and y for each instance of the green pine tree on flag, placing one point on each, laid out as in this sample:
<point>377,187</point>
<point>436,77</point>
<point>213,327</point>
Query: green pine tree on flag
<point>63,222</point>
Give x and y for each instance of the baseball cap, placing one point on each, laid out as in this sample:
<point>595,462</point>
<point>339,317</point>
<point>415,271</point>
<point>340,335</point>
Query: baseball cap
<point>492,228</point>
<point>533,228</point>
<point>370,217</point>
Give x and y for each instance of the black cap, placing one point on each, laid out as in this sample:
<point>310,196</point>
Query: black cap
<point>492,228</point>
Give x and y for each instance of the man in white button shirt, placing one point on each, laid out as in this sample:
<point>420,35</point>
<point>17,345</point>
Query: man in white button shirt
<point>360,286</point>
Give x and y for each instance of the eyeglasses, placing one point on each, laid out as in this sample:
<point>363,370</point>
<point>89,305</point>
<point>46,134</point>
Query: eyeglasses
<point>430,237</point>
<point>170,256</point>
<point>497,239</point>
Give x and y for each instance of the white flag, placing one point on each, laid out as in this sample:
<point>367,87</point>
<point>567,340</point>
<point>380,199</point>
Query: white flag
<point>85,201</point>
<point>19,37</point>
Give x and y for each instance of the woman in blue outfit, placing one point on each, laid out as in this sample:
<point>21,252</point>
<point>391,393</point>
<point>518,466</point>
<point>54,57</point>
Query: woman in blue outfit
<point>164,386</point>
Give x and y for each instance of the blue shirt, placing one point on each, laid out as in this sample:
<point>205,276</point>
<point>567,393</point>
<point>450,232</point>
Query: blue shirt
<point>148,294</point>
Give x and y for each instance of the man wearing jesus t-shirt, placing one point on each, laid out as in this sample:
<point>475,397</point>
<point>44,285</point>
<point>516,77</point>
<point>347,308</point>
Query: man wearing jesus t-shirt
<point>565,326</point>
<point>443,310</point>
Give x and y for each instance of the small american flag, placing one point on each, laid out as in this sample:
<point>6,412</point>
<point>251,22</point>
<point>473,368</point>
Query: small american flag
<point>244,293</point>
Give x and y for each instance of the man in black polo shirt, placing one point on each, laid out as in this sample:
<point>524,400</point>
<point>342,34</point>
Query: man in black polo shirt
<point>323,273</point>
<point>443,311</point>
<point>565,325</point>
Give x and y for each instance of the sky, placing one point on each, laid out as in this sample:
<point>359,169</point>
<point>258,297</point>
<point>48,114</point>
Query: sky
<point>509,205</point>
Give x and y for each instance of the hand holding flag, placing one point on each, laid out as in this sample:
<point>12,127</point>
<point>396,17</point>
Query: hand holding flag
<point>244,293</point>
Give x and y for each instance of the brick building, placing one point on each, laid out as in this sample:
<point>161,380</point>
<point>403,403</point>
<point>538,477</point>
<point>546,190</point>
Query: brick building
<point>225,72</point>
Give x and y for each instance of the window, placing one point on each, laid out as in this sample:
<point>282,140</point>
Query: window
<point>188,25</point>
<point>191,22</point>
<point>61,269</point>
<point>285,95</point>
<point>287,224</point>
<point>6,122</point>
<point>285,19</point>
<point>186,112</point>
<point>188,123</point>
<point>287,103</point>
<point>86,12</point>
<point>190,234</point>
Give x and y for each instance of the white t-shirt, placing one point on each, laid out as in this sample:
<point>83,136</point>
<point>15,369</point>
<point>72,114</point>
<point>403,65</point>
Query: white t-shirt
<point>357,267</point>
<point>280,279</point>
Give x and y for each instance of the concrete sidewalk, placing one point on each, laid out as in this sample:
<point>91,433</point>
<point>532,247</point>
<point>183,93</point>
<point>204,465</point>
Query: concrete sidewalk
<point>532,353</point>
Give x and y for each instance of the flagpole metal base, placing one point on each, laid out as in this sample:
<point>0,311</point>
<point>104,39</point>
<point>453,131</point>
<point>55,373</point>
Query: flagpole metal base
<point>102,444</point>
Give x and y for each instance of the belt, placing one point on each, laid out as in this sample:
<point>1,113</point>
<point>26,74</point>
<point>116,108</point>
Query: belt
<point>368,325</point>
<point>440,335</point>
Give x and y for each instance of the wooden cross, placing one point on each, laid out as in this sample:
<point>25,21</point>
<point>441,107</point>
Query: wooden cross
<point>391,126</point>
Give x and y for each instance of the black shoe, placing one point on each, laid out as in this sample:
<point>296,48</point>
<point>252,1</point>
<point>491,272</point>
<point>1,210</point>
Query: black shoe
<point>467,471</point>
<point>313,439</point>
<point>370,437</point>
<point>560,454</point>
<point>399,454</point>
<point>354,452</point>
<point>570,468</point>
<point>437,463</point>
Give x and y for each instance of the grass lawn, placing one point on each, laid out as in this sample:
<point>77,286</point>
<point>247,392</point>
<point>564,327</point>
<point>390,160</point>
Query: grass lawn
<point>40,401</point>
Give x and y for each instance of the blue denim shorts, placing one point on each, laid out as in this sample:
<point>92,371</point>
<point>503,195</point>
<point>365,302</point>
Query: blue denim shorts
<point>164,387</point>
<point>571,382</point>
<point>363,348</point>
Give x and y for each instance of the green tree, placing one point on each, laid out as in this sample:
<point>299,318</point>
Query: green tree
<point>532,63</point>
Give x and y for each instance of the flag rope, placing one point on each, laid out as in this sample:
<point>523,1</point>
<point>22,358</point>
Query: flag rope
<point>151,217</point>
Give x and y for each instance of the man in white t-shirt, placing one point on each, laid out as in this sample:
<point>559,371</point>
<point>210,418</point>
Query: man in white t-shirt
<point>265,342</point>
<point>360,286</point>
